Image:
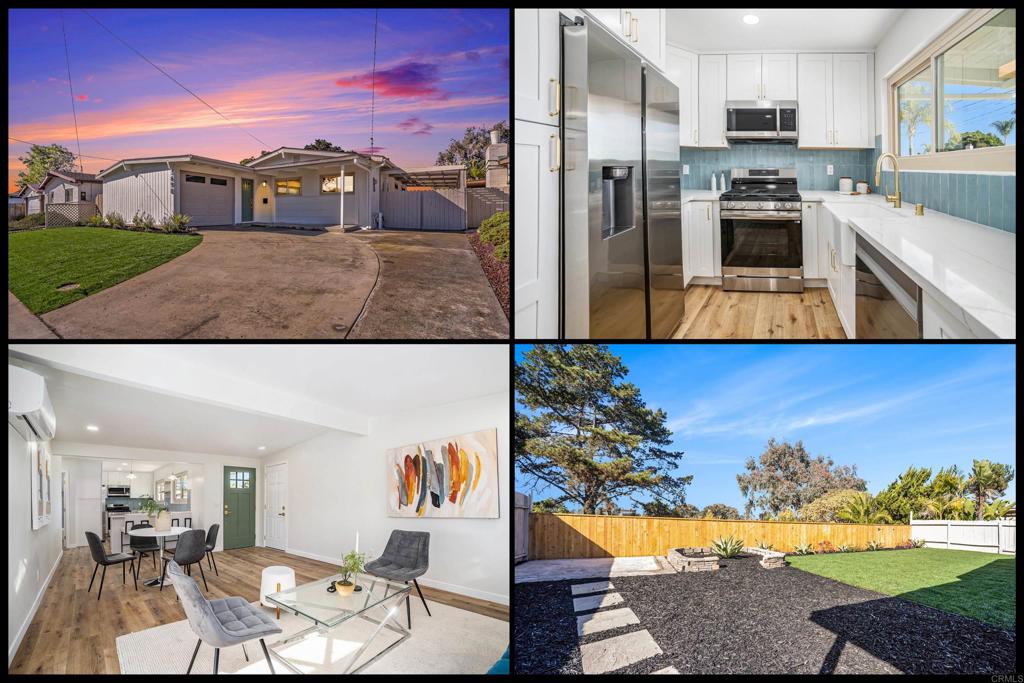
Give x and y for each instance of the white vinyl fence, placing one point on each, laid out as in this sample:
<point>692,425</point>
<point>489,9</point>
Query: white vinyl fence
<point>522,526</point>
<point>999,536</point>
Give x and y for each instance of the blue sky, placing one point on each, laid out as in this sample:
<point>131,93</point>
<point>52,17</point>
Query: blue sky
<point>880,407</point>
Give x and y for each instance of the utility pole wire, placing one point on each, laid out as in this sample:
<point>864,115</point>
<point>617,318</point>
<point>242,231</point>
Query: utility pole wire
<point>373,77</point>
<point>87,156</point>
<point>174,79</point>
<point>67,57</point>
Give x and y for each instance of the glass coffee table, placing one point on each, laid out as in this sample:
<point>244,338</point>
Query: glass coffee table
<point>377,602</point>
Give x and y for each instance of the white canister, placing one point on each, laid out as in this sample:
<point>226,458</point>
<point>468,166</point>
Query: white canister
<point>862,187</point>
<point>846,185</point>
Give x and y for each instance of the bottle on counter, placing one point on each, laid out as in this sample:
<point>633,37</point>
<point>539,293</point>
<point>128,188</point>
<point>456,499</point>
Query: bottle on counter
<point>714,182</point>
<point>722,185</point>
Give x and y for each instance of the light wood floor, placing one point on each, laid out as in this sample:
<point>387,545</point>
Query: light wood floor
<point>72,633</point>
<point>712,313</point>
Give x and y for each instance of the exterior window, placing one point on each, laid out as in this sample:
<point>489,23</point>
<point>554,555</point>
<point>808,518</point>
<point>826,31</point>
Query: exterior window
<point>914,99</point>
<point>53,196</point>
<point>195,179</point>
<point>289,186</point>
<point>329,183</point>
<point>83,196</point>
<point>69,195</point>
<point>218,181</point>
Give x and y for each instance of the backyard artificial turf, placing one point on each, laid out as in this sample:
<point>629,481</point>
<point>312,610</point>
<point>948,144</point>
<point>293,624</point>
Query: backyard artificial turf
<point>40,261</point>
<point>978,585</point>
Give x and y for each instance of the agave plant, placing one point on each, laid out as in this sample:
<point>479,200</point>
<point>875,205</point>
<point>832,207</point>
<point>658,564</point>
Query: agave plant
<point>843,548</point>
<point>727,547</point>
<point>874,545</point>
<point>804,549</point>
<point>765,545</point>
<point>917,542</point>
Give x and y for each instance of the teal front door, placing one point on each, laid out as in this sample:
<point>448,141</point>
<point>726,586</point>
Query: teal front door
<point>239,507</point>
<point>246,200</point>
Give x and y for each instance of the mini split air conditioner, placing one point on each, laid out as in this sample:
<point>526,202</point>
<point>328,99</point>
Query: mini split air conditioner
<point>29,409</point>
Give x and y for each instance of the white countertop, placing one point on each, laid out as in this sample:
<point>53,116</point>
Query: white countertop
<point>698,196</point>
<point>965,265</point>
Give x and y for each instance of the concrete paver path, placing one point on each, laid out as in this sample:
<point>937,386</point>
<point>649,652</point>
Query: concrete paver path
<point>22,323</point>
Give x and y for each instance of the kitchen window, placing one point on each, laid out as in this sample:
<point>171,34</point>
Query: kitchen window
<point>953,107</point>
<point>329,183</point>
<point>288,186</point>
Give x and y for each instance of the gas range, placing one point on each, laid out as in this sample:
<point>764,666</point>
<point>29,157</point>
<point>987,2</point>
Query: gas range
<point>769,191</point>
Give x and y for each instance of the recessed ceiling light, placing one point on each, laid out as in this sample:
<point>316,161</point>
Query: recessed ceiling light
<point>124,464</point>
<point>262,448</point>
<point>118,469</point>
<point>750,19</point>
<point>92,428</point>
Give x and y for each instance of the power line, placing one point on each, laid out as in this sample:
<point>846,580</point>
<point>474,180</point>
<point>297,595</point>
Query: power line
<point>373,78</point>
<point>87,156</point>
<point>175,80</point>
<point>67,57</point>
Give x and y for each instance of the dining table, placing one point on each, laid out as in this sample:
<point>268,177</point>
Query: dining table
<point>161,536</point>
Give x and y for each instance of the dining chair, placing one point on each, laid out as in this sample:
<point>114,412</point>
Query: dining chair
<point>406,557</point>
<point>143,545</point>
<point>190,550</point>
<point>211,543</point>
<point>100,557</point>
<point>222,622</point>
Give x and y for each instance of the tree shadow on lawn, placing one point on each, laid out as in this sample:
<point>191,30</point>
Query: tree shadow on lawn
<point>916,638</point>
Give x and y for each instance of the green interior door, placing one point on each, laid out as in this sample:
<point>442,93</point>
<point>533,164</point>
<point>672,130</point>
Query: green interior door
<point>239,507</point>
<point>246,200</point>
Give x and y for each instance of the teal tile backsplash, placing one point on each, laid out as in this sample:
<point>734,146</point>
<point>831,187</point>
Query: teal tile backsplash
<point>987,199</point>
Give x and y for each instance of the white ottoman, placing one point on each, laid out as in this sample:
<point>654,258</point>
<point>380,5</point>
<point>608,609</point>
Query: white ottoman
<point>271,577</point>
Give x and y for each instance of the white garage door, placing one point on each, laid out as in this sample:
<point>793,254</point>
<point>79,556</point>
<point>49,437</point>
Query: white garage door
<point>208,199</point>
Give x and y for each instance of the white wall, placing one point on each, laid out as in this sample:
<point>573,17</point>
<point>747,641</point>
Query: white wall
<point>337,486</point>
<point>86,506</point>
<point>914,30</point>
<point>145,188</point>
<point>206,472</point>
<point>32,556</point>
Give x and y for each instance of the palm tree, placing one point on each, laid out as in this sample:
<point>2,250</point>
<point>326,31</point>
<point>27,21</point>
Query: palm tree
<point>862,509</point>
<point>1004,127</point>
<point>915,112</point>
<point>987,480</point>
<point>997,509</point>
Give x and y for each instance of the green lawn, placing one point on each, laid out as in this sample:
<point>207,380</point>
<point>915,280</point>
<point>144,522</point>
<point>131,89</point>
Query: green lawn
<point>40,261</point>
<point>978,585</point>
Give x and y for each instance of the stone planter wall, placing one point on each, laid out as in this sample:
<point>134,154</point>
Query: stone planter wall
<point>680,559</point>
<point>770,559</point>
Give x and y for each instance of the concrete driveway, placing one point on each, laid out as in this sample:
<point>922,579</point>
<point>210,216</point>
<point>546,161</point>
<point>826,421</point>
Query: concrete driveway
<point>240,283</point>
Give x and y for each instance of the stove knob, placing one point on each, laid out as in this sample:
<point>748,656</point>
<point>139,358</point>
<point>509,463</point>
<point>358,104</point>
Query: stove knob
<point>789,205</point>
<point>760,205</point>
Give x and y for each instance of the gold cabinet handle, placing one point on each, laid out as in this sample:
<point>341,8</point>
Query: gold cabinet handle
<point>558,154</point>
<point>835,136</point>
<point>558,97</point>
<point>636,33</point>
<point>629,24</point>
<point>709,212</point>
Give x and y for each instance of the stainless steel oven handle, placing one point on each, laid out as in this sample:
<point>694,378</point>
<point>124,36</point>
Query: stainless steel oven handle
<point>762,216</point>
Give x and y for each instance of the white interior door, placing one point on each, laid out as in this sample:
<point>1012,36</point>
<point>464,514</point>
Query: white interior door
<point>277,507</point>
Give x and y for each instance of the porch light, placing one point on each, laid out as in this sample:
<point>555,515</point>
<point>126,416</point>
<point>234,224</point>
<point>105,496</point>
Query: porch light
<point>263,184</point>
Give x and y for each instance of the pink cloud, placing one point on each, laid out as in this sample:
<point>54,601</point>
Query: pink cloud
<point>412,79</point>
<point>415,126</point>
<point>90,78</point>
<point>473,56</point>
<point>82,98</point>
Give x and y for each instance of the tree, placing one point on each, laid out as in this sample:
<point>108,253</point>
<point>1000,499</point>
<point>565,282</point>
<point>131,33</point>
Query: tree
<point>906,494</point>
<point>863,509</point>
<point>978,139</point>
<point>915,110</point>
<point>588,433</point>
<point>997,509</point>
<point>248,160</point>
<point>549,505</point>
<point>472,148</point>
<point>323,146</point>
<point>825,508</point>
<point>720,511</point>
<point>785,476</point>
<point>41,159</point>
<point>1004,127</point>
<point>658,509</point>
<point>987,480</point>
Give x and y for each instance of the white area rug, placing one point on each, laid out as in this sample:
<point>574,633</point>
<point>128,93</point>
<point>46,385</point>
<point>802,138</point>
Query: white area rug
<point>597,568</point>
<point>452,641</point>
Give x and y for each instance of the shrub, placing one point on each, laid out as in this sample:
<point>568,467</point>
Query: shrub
<point>115,220</point>
<point>804,549</point>
<point>494,230</point>
<point>501,252</point>
<point>825,547</point>
<point>843,548</point>
<point>95,221</point>
<point>903,546</point>
<point>917,542</point>
<point>786,515</point>
<point>33,220</point>
<point>825,507</point>
<point>765,545</point>
<point>143,220</point>
<point>727,547</point>
<point>874,545</point>
<point>176,222</point>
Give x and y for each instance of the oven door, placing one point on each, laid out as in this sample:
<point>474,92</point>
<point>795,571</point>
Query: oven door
<point>747,122</point>
<point>762,252</point>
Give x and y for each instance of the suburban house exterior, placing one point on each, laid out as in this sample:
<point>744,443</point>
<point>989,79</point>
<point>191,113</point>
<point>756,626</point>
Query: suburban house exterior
<point>288,186</point>
<point>32,197</point>
<point>69,198</point>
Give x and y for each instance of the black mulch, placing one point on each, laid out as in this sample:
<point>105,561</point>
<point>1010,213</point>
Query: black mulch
<point>746,619</point>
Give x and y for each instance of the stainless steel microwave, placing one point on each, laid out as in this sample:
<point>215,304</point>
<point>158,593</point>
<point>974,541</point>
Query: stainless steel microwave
<point>761,121</point>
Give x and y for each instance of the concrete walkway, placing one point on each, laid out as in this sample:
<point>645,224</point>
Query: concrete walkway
<point>558,570</point>
<point>22,323</point>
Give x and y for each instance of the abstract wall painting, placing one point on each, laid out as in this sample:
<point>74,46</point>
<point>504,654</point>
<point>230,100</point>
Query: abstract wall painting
<point>452,477</point>
<point>40,484</point>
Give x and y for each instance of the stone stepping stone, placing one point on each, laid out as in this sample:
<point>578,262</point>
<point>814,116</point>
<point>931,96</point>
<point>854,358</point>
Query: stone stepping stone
<point>614,653</point>
<point>595,587</point>
<point>603,621</point>
<point>667,670</point>
<point>596,601</point>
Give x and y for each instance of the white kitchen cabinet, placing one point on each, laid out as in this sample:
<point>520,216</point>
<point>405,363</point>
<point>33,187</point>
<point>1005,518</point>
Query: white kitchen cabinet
<point>809,231</point>
<point>761,77</point>
<point>841,278</point>
<point>939,323</point>
<point>836,100</point>
<point>681,68</point>
<point>711,100</point>
<point>537,65</point>
<point>823,242</point>
<point>536,231</point>
<point>642,29</point>
<point>615,19</point>
<point>848,299</point>
<point>744,77</point>
<point>702,239</point>
<point>142,485</point>
<point>687,250</point>
<point>116,479</point>
<point>827,232</point>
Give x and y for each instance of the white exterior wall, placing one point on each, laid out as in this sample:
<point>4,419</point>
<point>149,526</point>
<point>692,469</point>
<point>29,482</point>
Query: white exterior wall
<point>90,189</point>
<point>313,207</point>
<point>139,188</point>
<point>34,204</point>
<point>263,213</point>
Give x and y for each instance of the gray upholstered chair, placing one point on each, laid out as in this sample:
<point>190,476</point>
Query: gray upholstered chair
<point>220,623</point>
<point>189,551</point>
<point>406,557</point>
<point>142,545</point>
<point>211,543</point>
<point>100,557</point>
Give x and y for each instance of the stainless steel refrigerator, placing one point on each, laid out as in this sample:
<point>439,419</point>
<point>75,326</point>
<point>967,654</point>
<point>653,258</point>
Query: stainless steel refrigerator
<point>622,265</point>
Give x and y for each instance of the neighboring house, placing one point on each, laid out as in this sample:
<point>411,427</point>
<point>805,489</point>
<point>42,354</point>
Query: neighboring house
<point>497,162</point>
<point>68,187</point>
<point>15,205</point>
<point>288,186</point>
<point>32,197</point>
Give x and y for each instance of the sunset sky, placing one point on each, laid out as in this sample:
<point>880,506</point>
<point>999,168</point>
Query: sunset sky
<point>286,76</point>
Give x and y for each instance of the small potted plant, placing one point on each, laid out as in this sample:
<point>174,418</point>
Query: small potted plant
<point>351,565</point>
<point>154,509</point>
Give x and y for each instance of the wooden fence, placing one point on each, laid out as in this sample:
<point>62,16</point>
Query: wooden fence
<point>522,526</point>
<point>15,211</point>
<point>999,536</point>
<point>554,536</point>
<point>484,202</point>
<point>68,213</point>
<point>443,209</point>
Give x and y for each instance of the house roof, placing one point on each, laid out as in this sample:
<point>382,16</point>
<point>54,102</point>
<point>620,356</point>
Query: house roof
<point>194,158</point>
<point>376,158</point>
<point>432,176</point>
<point>71,176</point>
<point>29,188</point>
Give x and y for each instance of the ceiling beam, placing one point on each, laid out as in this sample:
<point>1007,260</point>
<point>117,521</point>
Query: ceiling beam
<point>145,366</point>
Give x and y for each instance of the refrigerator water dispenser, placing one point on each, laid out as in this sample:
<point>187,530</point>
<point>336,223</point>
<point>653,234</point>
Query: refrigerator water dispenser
<point>618,211</point>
